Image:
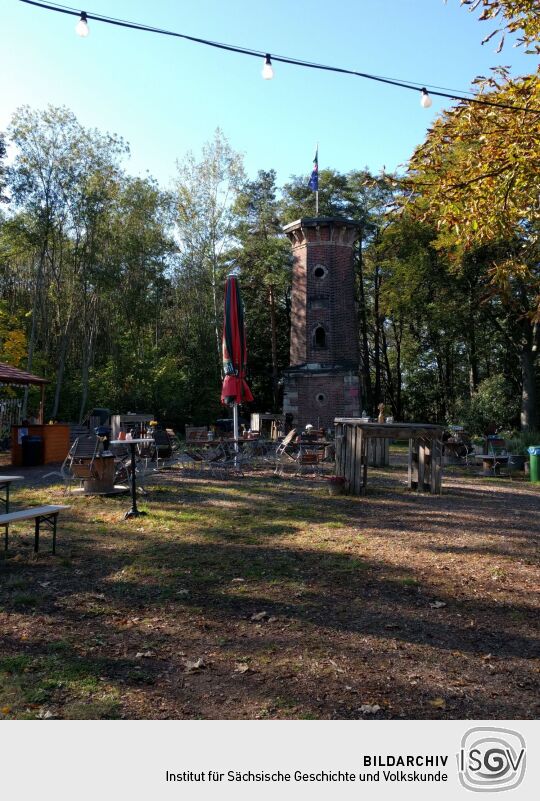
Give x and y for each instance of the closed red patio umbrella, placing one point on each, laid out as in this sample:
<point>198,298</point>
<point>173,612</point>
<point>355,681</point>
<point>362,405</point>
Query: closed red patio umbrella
<point>235,389</point>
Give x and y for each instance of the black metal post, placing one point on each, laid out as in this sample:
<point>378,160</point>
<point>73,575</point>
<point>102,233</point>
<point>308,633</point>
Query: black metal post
<point>55,518</point>
<point>133,512</point>
<point>5,501</point>
<point>36,540</point>
<point>6,504</point>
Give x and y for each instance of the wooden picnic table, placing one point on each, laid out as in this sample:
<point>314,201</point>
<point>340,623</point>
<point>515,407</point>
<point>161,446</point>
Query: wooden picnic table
<point>425,452</point>
<point>40,514</point>
<point>5,485</point>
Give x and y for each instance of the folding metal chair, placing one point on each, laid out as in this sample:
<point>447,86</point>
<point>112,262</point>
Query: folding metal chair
<point>163,448</point>
<point>286,451</point>
<point>79,463</point>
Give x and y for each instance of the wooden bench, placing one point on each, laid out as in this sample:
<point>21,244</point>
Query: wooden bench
<point>40,514</point>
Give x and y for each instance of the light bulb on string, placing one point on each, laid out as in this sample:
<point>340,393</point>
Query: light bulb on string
<point>267,70</point>
<point>81,28</point>
<point>425,100</point>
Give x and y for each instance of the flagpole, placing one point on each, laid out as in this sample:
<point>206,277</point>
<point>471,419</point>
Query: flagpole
<point>317,192</point>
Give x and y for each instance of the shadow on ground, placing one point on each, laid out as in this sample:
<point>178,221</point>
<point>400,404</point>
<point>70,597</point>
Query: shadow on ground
<point>264,597</point>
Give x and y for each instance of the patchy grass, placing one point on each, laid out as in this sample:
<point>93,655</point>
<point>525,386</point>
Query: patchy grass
<point>265,597</point>
<point>29,685</point>
<point>408,581</point>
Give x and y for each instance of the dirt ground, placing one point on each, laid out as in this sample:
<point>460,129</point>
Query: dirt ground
<point>265,597</point>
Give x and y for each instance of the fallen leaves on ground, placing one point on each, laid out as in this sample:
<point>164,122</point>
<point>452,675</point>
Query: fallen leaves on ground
<point>192,666</point>
<point>369,709</point>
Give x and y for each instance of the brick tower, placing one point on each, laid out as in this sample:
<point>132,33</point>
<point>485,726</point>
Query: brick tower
<point>322,382</point>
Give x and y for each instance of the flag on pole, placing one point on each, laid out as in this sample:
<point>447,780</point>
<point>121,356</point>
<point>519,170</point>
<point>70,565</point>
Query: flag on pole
<point>314,180</point>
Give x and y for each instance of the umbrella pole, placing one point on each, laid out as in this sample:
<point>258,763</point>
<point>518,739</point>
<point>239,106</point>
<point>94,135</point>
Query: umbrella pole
<point>235,431</point>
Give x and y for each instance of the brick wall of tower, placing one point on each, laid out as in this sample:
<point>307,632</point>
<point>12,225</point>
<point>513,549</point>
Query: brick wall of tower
<point>322,381</point>
<point>323,296</point>
<point>340,391</point>
<point>298,348</point>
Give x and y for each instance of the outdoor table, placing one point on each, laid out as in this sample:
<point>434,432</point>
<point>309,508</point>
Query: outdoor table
<point>229,451</point>
<point>311,450</point>
<point>133,512</point>
<point>491,464</point>
<point>224,441</point>
<point>5,484</point>
<point>245,444</point>
<point>425,452</point>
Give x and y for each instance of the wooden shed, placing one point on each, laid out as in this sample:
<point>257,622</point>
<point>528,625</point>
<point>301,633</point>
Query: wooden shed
<point>55,437</point>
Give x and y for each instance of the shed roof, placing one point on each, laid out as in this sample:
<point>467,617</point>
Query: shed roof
<point>12,375</point>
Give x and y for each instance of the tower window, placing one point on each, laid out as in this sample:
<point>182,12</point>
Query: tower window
<point>320,337</point>
<point>319,271</point>
<point>320,398</point>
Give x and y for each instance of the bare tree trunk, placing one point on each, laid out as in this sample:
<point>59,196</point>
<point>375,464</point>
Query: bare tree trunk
<point>472,349</point>
<point>390,388</point>
<point>399,374</point>
<point>377,338</point>
<point>87,360</point>
<point>448,377</point>
<point>529,396</point>
<point>35,307</point>
<point>60,370</point>
<point>441,382</point>
<point>273,328</point>
<point>216,323</point>
<point>364,342</point>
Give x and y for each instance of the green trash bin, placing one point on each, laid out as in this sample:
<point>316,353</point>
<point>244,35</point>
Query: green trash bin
<point>534,453</point>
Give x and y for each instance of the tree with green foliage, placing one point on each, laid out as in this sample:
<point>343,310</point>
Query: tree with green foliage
<point>263,257</point>
<point>114,288</point>
<point>440,334</point>
<point>492,403</point>
<point>3,152</point>
<point>56,160</point>
<point>204,196</point>
<point>477,179</point>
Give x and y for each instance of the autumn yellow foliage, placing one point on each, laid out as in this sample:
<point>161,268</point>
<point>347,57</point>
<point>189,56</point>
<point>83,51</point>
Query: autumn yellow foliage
<point>478,172</point>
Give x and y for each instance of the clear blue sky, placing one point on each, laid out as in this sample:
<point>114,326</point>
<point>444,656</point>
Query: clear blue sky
<point>166,96</point>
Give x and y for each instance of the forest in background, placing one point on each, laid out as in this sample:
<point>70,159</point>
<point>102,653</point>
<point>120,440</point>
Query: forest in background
<point>112,286</point>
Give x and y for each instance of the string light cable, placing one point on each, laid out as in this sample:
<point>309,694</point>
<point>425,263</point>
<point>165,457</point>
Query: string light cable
<point>82,29</point>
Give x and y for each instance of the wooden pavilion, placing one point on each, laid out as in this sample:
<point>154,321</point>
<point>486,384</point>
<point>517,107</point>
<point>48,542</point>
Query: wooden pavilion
<point>12,376</point>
